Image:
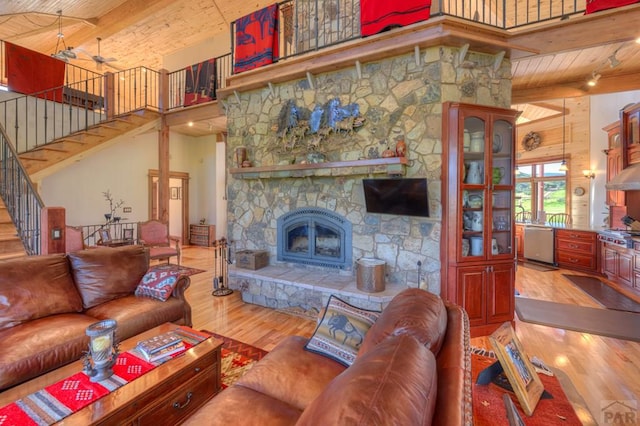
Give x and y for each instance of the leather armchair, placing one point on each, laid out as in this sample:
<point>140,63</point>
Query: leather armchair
<point>154,235</point>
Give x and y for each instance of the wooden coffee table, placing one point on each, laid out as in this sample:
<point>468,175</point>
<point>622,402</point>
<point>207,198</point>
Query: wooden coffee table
<point>168,394</point>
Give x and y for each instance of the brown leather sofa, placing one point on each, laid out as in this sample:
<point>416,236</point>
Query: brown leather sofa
<point>413,368</point>
<point>47,302</point>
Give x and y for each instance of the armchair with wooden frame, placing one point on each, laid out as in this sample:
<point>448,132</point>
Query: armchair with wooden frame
<point>73,239</point>
<point>154,235</point>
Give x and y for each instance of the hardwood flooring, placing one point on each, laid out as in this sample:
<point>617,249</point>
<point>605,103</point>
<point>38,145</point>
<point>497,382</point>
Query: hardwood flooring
<point>602,369</point>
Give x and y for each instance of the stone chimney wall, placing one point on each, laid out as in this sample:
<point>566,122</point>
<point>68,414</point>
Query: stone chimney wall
<point>398,97</point>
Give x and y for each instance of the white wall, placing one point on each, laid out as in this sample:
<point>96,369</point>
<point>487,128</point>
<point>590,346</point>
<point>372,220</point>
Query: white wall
<point>605,109</point>
<point>123,170</point>
<point>210,48</point>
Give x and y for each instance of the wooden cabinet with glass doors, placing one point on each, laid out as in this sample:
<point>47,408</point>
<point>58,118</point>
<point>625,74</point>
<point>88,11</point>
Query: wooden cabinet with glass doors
<point>478,247</point>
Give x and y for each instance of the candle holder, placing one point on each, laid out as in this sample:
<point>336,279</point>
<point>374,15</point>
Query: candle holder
<point>103,350</point>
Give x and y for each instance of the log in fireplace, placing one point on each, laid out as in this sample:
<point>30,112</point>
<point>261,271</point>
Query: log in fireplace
<point>315,236</point>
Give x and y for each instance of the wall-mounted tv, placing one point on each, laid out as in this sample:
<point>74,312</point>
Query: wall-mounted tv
<point>404,197</point>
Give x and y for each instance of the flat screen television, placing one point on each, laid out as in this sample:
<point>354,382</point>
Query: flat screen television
<point>404,197</point>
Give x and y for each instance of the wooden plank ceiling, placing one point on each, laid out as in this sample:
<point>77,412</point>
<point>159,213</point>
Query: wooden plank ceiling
<point>141,33</point>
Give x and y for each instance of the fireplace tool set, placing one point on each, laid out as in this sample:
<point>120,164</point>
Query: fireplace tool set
<point>222,259</point>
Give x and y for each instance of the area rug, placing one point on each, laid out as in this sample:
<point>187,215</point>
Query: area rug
<point>489,409</point>
<point>604,322</point>
<point>237,358</point>
<point>604,294</point>
<point>538,266</point>
<point>182,270</point>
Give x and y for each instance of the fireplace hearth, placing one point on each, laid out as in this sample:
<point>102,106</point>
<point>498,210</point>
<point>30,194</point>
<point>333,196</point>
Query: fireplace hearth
<point>315,236</point>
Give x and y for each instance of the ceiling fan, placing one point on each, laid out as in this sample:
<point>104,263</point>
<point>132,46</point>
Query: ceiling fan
<point>99,59</point>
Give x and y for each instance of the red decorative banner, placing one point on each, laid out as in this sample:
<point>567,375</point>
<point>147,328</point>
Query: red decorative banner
<point>380,15</point>
<point>256,39</point>
<point>31,72</point>
<point>200,84</point>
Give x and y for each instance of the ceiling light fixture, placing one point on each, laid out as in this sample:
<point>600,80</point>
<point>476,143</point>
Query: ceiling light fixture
<point>66,53</point>
<point>613,61</point>
<point>563,165</point>
<point>594,79</point>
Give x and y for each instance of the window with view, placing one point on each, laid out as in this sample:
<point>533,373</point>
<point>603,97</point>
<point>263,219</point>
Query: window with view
<point>540,186</point>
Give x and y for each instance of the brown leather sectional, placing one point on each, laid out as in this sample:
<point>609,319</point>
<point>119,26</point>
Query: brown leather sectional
<point>47,302</point>
<point>413,368</point>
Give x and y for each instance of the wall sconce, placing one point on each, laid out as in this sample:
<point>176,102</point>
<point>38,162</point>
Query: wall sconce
<point>589,174</point>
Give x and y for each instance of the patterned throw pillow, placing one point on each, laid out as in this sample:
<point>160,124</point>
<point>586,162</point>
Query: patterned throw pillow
<point>158,284</point>
<point>341,331</point>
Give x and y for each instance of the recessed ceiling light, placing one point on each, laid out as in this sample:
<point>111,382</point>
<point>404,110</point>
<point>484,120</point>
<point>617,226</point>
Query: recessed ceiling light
<point>190,124</point>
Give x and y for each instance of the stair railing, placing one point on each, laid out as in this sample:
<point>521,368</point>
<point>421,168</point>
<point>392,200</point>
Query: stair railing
<point>19,195</point>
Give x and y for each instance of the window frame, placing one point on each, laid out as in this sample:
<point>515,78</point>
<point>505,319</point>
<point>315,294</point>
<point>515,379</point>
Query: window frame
<point>534,180</point>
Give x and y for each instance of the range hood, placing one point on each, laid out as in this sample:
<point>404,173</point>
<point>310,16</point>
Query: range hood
<point>627,180</point>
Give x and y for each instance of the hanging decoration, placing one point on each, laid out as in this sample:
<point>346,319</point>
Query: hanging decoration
<point>531,141</point>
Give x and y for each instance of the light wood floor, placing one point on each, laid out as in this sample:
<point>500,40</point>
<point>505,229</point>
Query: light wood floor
<point>602,369</point>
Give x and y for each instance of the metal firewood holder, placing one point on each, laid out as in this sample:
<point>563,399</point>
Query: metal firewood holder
<point>221,268</point>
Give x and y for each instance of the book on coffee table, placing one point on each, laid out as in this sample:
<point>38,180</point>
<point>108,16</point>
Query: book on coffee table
<point>158,343</point>
<point>164,353</point>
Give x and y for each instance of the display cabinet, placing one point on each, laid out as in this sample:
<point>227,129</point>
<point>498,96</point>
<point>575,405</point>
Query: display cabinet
<point>478,249</point>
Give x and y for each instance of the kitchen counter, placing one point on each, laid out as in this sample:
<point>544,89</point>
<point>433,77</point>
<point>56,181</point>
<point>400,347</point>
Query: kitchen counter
<point>570,227</point>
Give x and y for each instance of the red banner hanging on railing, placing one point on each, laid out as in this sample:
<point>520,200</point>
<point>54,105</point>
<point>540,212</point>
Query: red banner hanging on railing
<point>30,72</point>
<point>200,84</point>
<point>380,15</point>
<point>597,5</point>
<point>256,39</point>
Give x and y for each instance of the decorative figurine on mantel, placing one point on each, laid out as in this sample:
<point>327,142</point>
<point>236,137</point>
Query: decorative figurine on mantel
<point>401,147</point>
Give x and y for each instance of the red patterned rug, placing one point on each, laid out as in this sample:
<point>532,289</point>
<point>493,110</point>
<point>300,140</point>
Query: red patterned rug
<point>182,270</point>
<point>489,409</point>
<point>237,358</point>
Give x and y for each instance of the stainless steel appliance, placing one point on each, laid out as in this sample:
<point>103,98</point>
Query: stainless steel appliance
<point>538,243</point>
<point>618,237</point>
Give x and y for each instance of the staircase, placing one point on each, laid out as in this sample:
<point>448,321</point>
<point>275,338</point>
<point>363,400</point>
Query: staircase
<point>10,244</point>
<point>62,150</point>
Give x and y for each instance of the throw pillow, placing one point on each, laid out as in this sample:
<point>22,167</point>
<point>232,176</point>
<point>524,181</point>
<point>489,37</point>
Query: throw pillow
<point>157,284</point>
<point>341,331</point>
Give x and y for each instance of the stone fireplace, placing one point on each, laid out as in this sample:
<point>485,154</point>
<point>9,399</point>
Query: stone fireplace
<point>314,236</point>
<point>398,97</point>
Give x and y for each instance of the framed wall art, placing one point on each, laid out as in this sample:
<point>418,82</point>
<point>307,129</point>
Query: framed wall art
<point>522,375</point>
<point>176,193</point>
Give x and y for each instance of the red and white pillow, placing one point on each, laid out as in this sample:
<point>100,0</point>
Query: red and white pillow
<point>158,284</point>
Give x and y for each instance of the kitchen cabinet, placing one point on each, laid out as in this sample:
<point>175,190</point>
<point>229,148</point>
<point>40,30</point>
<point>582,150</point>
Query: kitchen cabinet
<point>615,162</point>
<point>617,264</point>
<point>576,250</point>
<point>478,248</point>
<point>631,133</point>
<point>202,235</point>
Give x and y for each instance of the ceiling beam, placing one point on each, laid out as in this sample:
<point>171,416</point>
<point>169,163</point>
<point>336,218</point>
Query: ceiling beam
<point>619,83</point>
<point>579,32</point>
<point>118,19</point>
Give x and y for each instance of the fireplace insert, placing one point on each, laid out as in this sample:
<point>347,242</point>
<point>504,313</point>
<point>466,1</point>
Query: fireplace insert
<point>314,236</point>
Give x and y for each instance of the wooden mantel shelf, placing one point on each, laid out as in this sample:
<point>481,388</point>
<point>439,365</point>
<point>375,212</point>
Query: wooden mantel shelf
<point>390,166</point>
